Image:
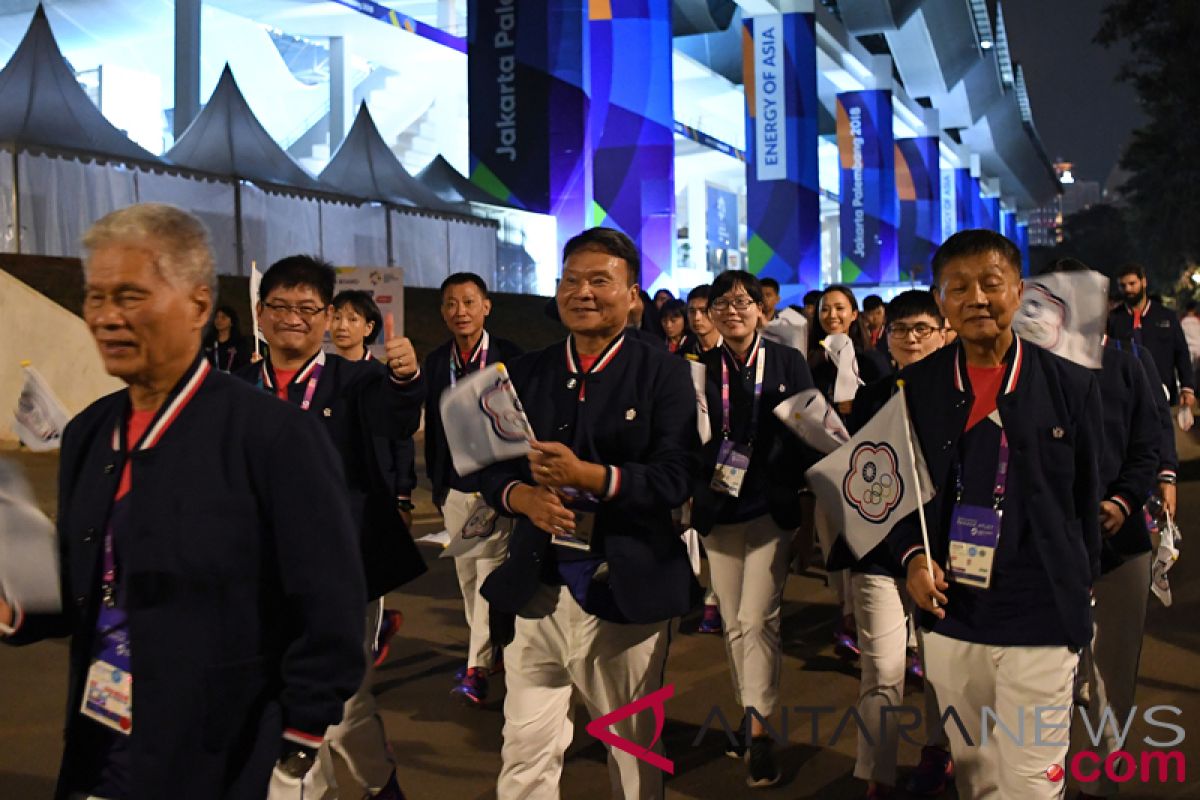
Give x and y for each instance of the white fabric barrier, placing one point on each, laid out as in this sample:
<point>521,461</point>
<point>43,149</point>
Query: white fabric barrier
<point>354,235</point>
<point>60,198</point>
<point>472,249</point>
<point>420,248</point>
<point>430,248</point>
<point>278,225</point>
<point>210,200</point>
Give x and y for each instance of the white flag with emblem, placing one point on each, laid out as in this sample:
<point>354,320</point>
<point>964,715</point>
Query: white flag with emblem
<point>840,350</point>
<point>255,282</point>
<point>809,415</point>
<point>1066,313</point>
<point>39,418</point>
<point>865,486</point>
<point>484,421</point>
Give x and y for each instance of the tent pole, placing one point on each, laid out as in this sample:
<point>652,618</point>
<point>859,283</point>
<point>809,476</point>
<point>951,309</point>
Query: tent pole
<point>237,227</point>
<point>387,218</point>
<point>16,201</point>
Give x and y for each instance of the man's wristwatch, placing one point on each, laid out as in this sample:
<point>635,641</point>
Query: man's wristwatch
<point>296,762</point>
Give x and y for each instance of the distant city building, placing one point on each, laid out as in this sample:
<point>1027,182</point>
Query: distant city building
<point>1046,222</point>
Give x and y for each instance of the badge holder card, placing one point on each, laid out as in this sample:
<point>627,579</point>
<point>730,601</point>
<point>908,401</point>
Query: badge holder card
<point>584,507</point>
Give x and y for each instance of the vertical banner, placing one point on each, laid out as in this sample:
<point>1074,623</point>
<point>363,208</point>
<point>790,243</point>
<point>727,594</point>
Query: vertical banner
<point>1023,245</point>
<point>721,219</point>
<point>868,187</point>
<point>1008,224</point>
<point>632,122</point>
<point>989,214</point>
<point>966,199</point>
<point>527,89</point>
<point>783,205</point>
<point>919,188</point>
<point>950,221</point>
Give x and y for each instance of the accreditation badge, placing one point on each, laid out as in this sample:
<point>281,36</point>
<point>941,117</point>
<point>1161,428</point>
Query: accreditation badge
<point>108,691</point>
<point>732,462</point>
<point>974,536</point>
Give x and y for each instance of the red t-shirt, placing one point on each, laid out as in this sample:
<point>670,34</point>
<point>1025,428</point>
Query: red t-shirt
<point>135,429</point>
<point>283,379</point>
<point>586,362</point>
<point>985,383</point>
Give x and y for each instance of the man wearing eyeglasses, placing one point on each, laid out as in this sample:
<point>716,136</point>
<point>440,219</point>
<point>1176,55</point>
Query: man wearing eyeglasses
<point>355,403</point>
<point>913,326</point>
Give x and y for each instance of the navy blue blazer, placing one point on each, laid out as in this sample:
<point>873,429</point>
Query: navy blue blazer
<point>1130,456</point>
<point>244,588</point>
<point>1168,456</point>
<point>438,465</point>
<point>1053,420</point>
<point>638,418</point>
<point>357,403</point>
<point>1163,336</point>
<point>778,458</point>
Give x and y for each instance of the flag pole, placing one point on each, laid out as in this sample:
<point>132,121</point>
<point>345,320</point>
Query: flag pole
<point>916,478</point>
<point>254,310</point>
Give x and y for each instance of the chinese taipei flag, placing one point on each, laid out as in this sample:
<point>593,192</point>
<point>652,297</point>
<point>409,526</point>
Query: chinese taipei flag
<point>484,420</point>
<point>871,482</point>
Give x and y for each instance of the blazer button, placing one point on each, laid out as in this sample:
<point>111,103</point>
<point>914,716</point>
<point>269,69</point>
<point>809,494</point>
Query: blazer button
<point>109,469</point>
<point>947,445</point>
<point>89,535</point>
<point>81,600</point>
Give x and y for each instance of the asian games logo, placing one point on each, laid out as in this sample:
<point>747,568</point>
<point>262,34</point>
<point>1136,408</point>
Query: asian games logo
<point>872,484</point>
<point>499,402</point>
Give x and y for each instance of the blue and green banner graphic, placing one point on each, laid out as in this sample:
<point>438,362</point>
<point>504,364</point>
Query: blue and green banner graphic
<point>783,210</point>
<point>919,188</point>
<point>866,150</point>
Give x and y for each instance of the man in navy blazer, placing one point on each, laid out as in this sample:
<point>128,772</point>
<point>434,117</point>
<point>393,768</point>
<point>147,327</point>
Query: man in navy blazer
<point>209,562</point>
<point>1012,438</point>
<point>357,404</point>
<point>596,568</point>
<point>465,306</point>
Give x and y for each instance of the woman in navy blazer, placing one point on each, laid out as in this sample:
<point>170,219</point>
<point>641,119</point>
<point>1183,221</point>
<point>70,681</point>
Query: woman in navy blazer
<point>748,521</point>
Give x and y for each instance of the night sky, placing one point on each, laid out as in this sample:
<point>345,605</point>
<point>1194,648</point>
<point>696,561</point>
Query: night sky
<point>1082,113</point>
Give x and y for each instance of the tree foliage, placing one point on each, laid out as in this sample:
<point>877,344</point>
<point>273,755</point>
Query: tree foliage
<point>1163,156</point>
<point>1099,237</point>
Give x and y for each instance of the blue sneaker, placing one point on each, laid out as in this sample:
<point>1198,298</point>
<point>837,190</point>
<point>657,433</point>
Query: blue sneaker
<point>711,621</point>
<point>473,687</point>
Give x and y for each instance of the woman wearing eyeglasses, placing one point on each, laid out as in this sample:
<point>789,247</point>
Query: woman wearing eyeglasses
<point>914,329</point>
<point>746,502</point>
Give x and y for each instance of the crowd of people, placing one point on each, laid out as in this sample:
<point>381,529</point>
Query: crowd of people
<point>231,522</point>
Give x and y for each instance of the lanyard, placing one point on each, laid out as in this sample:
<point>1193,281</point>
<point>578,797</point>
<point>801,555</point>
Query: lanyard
<point>311,388</point>
<point>482,356</point>
<point>760,353</point>
<point>108,579</point>
<point>1000,484</point>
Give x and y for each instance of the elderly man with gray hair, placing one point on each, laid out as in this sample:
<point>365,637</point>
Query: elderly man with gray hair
<point>211,581</point>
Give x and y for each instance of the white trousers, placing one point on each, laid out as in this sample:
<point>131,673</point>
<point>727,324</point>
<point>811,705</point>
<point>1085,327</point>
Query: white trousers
<point>359,738</point>
<point>559,648</point>
<point>472,571</point>
<point>1029,691</point>
<point>1112,668</point>
<point>879,613</point>
<point>935,734</point>
<point>749,561</point>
